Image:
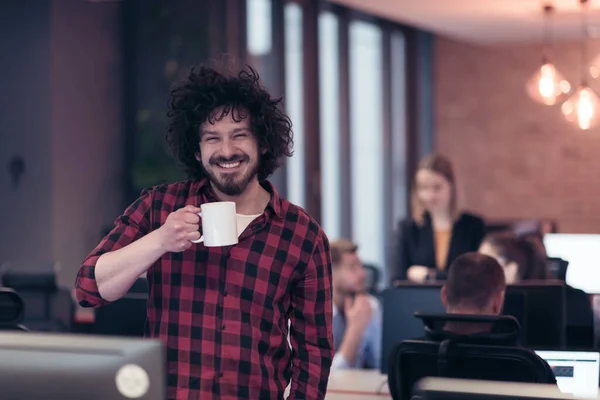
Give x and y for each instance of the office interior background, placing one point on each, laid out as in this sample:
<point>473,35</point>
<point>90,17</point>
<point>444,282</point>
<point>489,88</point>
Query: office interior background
<point>370,86</point>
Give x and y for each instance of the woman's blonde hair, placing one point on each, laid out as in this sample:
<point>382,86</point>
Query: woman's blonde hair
<point>442,166</point>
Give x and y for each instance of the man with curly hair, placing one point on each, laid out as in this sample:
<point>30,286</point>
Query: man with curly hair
<point>225,313</point>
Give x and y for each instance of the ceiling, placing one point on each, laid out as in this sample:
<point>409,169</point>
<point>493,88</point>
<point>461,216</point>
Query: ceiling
<point>484,21</point>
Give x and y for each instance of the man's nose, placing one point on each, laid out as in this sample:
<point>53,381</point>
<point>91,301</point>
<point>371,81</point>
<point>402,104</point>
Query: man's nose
<point>227,148</point>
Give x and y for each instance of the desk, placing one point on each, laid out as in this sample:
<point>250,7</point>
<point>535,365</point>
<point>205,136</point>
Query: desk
<point>354,384</point>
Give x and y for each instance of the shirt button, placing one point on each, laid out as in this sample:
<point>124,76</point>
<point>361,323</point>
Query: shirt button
<point>223,327</point>
<point>220,374</point>
<point>224,292</point>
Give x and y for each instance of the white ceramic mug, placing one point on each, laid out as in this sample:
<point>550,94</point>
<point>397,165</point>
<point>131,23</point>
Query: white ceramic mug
<point>219,224</point>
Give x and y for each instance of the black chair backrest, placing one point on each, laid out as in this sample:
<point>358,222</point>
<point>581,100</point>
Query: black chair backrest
<point>373,278</point>
<point>401,303</point>
<point>499,329</point>
<point>48,307</point>
<point>12,310</point>
<point>413,360</point>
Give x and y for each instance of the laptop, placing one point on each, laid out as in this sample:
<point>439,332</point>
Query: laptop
<point>577,372</point>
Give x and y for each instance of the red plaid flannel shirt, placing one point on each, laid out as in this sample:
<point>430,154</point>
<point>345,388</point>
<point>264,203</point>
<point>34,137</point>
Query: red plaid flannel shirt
<point>222,311</point>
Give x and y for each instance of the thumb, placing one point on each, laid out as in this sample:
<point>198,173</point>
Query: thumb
<point>192,209</point>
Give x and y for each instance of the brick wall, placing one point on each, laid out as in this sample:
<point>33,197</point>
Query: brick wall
<point>513,157</point>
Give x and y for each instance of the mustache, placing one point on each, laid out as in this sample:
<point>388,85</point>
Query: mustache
<point>224,160</point>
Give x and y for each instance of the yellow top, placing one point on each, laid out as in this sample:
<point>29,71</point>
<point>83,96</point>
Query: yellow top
<point>442,244</point>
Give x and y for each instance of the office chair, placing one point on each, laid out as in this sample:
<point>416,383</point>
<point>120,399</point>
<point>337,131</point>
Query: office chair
<point>48,307</point>
<point>373,278</point>
<point>466,357</point>
<point>11,311</point>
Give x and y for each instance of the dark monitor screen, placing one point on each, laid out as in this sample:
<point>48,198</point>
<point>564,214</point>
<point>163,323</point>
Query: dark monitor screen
<point>36,366</point>
<point>401,303</point>
<point>545,313</point>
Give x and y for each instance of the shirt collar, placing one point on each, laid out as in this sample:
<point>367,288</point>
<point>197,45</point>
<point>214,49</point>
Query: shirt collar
<point>275,203</point>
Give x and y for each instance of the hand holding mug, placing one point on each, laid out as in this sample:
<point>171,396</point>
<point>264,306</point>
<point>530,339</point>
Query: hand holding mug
<point>219,224</point>
<point>180,229</point>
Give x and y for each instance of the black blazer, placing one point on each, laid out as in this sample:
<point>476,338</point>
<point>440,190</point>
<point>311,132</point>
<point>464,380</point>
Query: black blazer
<point>416,246</point>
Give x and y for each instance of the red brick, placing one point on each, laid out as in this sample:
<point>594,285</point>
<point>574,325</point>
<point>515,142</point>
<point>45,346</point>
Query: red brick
<point>513,157</point>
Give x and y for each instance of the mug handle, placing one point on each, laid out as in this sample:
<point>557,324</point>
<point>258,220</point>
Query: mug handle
<point>201,237</point>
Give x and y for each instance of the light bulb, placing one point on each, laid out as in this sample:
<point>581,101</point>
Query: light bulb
<point>583,108</point>
<point>547,86</point>
<point>595,68</point>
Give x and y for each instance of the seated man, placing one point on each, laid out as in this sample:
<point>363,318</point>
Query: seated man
<point>476,285</point>
<point>356,315</point>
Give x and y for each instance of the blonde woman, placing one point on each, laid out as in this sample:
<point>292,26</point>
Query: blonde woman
<point>437,232</point>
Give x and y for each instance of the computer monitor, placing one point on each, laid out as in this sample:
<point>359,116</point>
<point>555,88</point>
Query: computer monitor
<point>576,372</point>
<point>400,304</point>
<point>463,389</point>
<point>582,253</point>
<point>36,366</point>
<point>545,315</point>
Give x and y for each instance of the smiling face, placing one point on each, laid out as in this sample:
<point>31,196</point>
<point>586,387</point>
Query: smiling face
<point>229,152</point>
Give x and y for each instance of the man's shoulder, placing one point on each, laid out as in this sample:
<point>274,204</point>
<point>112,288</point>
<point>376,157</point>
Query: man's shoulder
<point>299,219</point>
<point>175,190</point>
<point>173,186</point>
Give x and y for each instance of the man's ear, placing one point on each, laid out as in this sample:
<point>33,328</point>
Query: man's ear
<point>198,158</point>
<point>498,303</point>
<point>444,297</point>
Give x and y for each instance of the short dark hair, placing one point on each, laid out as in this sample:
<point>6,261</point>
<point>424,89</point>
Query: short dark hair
<point>531,263</point>
<point>473,280</point>
<point>198,97</point>
<point>339,248</point>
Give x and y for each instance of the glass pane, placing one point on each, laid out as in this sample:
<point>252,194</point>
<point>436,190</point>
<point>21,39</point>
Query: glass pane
<point>294,99</point>
<point>258,23</point>
<point>330,143</point>
<point>366,129</point>
<point>399,167</point>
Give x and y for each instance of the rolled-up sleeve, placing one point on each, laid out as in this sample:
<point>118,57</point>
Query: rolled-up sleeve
<point>133,224</point>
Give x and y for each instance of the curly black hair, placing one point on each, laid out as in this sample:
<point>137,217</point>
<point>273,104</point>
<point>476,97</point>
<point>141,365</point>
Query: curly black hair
<point>194,101</point>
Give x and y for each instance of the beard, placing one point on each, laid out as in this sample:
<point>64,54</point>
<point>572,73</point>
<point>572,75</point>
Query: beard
<point>230,183</point>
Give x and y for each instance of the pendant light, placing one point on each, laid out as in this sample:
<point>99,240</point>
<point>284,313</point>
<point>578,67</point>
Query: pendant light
<point>583,108</point>
<point>547,86</point>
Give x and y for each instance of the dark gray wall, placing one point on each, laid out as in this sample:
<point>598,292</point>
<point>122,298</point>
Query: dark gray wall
<point>25,211</point>
<point>60,105</point>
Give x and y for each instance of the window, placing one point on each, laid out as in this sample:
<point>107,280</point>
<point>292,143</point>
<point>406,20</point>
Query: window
<point>366,129</point>
<point>330,124</point>
<point>258,23</point>
<point>294,99</point>
<point>399,172</point>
